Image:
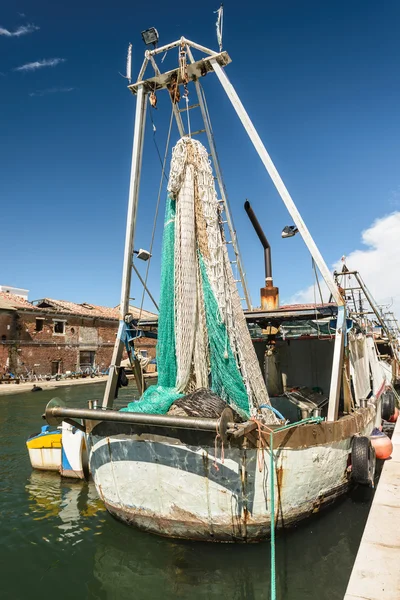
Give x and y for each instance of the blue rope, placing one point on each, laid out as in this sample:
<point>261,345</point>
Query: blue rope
<point>272,486</point>
<point>278,414</point>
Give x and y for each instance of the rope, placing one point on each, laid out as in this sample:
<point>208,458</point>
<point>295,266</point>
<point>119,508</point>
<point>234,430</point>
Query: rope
<point>278,414</point>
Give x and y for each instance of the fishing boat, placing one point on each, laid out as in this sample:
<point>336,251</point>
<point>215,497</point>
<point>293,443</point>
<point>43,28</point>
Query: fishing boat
<point>261,416</point>
<point>62,449</point>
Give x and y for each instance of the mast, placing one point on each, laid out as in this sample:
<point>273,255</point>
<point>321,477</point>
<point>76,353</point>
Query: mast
<point>136,166</point>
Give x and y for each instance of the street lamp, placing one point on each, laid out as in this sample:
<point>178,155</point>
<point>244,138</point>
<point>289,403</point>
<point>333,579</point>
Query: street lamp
<point>289,231</point>
<point>150,36</point>
<point>142,254</point>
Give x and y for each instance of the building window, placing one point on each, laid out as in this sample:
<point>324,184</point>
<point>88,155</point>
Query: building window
<point>3,338</point>
<point>86,359</point>
<point>39,324</point>
<point>59,327</point>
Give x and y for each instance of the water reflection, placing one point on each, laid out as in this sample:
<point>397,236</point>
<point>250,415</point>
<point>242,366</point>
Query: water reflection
<point>313,561</point>
<point>72,502</point>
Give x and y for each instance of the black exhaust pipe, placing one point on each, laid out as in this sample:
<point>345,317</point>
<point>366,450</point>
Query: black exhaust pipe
<point>262,238</point>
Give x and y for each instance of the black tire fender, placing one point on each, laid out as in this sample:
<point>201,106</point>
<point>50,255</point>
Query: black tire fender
<point>388,405</point>
<point>363,460</point>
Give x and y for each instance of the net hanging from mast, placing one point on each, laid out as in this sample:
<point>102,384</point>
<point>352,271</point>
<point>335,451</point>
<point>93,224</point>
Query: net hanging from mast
<point>203,339</point>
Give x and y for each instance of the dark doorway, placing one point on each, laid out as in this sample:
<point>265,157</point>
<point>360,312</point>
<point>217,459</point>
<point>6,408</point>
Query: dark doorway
<point>55,367</point>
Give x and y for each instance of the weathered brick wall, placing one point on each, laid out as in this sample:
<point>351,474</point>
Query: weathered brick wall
<point>147,344</point>
<point>27,328</point>
<point>7,325</point>
<point>104,356</point>
<point>7,334</point>
<point>32,350</point>
<point>39,358</point>
<point>3,357</point>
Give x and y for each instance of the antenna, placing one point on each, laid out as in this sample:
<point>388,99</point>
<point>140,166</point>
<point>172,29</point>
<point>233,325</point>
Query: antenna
<point>219,25</point>
<point>129,64</point>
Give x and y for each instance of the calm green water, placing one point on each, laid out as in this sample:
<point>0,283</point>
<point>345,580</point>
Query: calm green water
<point>56,538</point>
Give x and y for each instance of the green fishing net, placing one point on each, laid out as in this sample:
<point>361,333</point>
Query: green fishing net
<point>225,377</point>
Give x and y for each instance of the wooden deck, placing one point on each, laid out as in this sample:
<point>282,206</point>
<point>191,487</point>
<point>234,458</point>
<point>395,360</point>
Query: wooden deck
<point>376,571</point>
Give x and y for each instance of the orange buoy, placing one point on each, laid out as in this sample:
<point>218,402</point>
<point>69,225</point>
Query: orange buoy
<point>382,445</point>
<point>394,417</point>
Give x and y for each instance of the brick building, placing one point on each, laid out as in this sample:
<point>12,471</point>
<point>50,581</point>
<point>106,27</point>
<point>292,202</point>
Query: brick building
<point>54,336</point>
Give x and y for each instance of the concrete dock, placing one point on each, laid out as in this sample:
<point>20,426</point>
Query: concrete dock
<point>376,571</point>
<point>8,389</point>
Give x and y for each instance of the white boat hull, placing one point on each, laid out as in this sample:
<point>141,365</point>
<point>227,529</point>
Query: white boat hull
<point>173,485</point>
<point>45,459</point>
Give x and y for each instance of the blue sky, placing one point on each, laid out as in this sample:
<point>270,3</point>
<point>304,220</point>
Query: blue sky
<point>320,81</point>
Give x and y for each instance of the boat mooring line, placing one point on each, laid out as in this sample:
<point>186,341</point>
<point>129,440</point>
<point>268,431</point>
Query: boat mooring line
<point>272,491</point>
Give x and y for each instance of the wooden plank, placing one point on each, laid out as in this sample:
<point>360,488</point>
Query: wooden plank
<point>244,428</point>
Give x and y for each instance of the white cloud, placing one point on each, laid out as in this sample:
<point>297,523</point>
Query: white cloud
<point>39,64</point>
<point>310,294</point>
<point>52,91</point>
<point>22,30</point>
<point>378,263</point>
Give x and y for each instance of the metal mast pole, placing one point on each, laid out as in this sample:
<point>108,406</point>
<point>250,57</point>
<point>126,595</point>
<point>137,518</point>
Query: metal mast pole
<point>136,165</point>
<point>337,363</point>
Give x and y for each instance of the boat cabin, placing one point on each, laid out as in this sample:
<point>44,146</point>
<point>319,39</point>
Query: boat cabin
<point>295,346</point>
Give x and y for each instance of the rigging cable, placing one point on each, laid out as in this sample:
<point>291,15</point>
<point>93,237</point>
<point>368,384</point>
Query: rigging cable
<point>223,192</point>
<point>163,163</point>
<point>320,295</point>
<point>155,142</point>
<point>317,280</point>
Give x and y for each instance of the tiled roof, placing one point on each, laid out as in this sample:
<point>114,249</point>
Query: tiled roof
<point>14,301</point>
<point>85,309</point>
<point>5,305</point>
<point>89,310</point>
<point>144,315</point>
